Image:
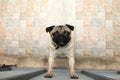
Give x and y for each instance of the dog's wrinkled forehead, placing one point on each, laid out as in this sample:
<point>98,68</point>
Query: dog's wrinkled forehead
<point>60,29</point>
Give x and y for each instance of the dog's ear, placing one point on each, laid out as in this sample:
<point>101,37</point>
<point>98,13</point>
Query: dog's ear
<point>48,29</point>
<point>70,27</point>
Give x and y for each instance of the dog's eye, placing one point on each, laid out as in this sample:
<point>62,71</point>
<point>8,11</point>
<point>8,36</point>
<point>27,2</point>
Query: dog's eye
<point>66,33</point>
<point>55,34</point>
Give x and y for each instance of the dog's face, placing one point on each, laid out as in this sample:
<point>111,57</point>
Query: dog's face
<point>61,35</point>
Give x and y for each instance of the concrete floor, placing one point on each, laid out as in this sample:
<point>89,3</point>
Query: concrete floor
<point>60,74</point>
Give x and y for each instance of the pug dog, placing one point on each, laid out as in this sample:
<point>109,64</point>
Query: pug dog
<point>61,45</point>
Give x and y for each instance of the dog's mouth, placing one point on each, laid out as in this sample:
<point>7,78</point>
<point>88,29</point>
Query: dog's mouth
<point>61,40</point>
<point>61,44</point>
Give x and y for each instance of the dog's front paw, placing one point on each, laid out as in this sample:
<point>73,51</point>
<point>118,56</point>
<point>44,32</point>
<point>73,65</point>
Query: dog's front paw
<point>74,76</point>
<point>48,75</point>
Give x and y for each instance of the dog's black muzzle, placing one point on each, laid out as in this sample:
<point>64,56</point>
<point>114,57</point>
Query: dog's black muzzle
<point>61,40</point>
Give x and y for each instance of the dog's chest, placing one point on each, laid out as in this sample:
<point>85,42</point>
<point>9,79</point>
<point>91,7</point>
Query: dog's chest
<point>62,53</point>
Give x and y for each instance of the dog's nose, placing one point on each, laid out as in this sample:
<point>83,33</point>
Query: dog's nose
<point>61,43</point>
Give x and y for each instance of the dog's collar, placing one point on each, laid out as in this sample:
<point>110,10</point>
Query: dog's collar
<point>57,47</point>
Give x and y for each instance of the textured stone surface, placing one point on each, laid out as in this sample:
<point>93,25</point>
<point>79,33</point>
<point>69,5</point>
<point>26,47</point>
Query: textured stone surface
<point>81,62</point>
<point>103,17</point>
<point>23,23</point>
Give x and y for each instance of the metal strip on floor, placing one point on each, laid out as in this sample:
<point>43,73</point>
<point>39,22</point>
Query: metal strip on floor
<point>96,76</point>
<point>26,76</point>
<point>118,72</point>
<point>4,67</point>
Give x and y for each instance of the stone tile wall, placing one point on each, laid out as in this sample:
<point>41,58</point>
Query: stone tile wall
<point>98,27</point>
<point>23,23</point>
